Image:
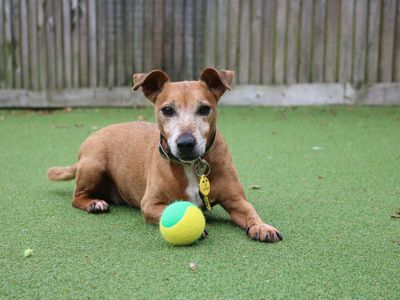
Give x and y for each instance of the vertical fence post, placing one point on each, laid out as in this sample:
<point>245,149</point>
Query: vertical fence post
<point>387,40</point>
<point>293,41</point>
<point>332,30</point>
<point>2,47</point>
<point>244,50</point>
<point>256,41</point>
<point>267,74</point>
<point>92,43</point>
<point>374,20</point>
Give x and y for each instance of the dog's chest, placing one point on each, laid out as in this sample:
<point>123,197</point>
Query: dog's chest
<point>192,189</point>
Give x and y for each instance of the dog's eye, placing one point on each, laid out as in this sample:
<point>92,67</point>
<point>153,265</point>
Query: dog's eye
<point>204,110</point>
<point>168,111</point>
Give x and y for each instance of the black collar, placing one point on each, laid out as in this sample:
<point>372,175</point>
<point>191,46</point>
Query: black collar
<point>167,154</point>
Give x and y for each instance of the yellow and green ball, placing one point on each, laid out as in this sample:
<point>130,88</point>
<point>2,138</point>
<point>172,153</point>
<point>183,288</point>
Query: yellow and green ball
<point>182,223</point>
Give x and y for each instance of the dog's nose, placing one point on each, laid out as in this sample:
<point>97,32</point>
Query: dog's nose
<point>186,143</point>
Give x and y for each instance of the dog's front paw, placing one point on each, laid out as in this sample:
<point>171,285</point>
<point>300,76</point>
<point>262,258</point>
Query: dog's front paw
<point>264,233</point>
<point>98,206</point>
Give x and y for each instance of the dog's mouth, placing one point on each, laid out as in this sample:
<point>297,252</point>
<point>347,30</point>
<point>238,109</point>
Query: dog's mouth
<point>188,157</point>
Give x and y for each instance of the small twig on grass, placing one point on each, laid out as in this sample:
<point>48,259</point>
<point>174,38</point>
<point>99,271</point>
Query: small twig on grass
<point>255,187</point>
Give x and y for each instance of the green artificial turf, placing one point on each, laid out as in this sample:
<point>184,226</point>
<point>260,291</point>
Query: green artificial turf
<point>329,180</point>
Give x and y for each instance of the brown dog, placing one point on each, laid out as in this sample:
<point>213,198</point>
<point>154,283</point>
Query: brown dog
<point>147,165</point>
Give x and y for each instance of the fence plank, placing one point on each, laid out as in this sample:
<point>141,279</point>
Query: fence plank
<point>267,74</point>
<point>50,43</point>
<point>41,20</point>
<point>332,30</point>
<point>317,73</point>
<point>17,44</point>
<point>233,36</point>
<point>188,37</point>
<point>346,40</point>
<point>168,31</point>
<point>396,72</point>
<point>280,41</point>
<point>221,43</point>
<point>92,43</point>
<point>24,44</point>
<point>293,41</point>
<point>129,33</point>
<point>210,35</point>
<point>244,50</point>
<point>178,40</point>
<point>110,61</point>
<point>119,51</point>
<point>33,45</point>
<point>256,41</point>
<point>305,41</point>
<point>2,46</point>
<point>83,44</point>
<point>158,34</point>
<point>360,41</point>
<point>75,42</point>
<point>198,31</point>
<point>387,40</point>
<point>67,43</point>
<point>102,42</point>
<point>59,57</point>
<point>138,36</point>
<point>148,35</point>
<point>374,21</point>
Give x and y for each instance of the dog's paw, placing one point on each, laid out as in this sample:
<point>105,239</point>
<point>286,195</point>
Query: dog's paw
<point>264,233</point>
<point>98,206</point>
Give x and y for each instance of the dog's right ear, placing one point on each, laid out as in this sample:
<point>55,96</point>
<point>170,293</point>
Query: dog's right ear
<point>151,83</point>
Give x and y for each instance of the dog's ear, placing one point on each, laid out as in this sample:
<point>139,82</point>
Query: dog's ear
<point>151,83</point>
<point>218,81</point>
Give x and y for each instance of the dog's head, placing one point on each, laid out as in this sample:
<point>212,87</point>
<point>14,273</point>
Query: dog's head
<point>186,111</point>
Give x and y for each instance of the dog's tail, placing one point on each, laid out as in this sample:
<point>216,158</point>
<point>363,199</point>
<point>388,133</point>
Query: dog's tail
<point>61,173</point>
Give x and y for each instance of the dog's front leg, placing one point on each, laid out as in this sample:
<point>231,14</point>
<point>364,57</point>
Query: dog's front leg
<point>152,210</point>
<point>244,215</point>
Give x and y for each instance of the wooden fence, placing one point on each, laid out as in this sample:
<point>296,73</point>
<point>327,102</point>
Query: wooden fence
<point>54,47</point>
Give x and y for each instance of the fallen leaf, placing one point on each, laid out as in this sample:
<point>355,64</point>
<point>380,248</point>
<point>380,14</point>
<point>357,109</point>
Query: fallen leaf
<point>192,267</point>
<point>28,252</point>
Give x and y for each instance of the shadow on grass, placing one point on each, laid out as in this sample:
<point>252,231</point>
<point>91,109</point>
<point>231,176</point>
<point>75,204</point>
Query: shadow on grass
<point>216,217</point>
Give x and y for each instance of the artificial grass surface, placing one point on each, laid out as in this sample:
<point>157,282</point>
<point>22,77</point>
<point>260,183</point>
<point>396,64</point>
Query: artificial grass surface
<point>329,180</point>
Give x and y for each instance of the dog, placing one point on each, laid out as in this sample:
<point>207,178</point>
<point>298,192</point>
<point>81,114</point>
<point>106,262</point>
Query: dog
<point>149,165</point>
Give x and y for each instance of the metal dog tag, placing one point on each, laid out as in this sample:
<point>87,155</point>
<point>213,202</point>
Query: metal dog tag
<point>201,167</point>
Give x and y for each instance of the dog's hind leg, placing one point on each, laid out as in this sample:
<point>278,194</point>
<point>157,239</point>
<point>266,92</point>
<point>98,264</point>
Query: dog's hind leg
<point>89,178</point>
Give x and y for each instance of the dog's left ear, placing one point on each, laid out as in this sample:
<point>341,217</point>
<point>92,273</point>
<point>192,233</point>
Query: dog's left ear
<point>151,83</point>
<point>218,81</point>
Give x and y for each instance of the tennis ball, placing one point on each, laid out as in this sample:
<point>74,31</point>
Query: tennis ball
<point>182,223</point>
